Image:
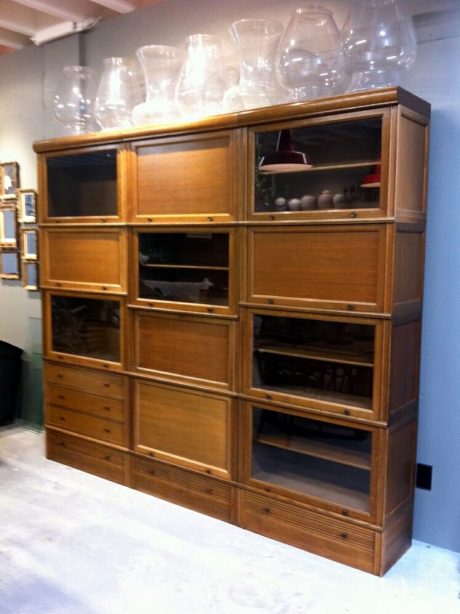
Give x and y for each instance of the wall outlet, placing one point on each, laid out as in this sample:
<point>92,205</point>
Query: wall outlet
<point>423,476</point>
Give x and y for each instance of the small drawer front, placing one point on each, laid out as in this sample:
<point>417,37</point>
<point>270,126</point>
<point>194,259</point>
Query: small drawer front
<point>84,259</point>
<point>183,427</point>
<point>200,493</point>
<point>97,382</point>
<point>85,424</point>
<point>87,456</point>
<point>82,401</point>
<point>185,348</point>
<point>336,539</point>
<point>319,266</point>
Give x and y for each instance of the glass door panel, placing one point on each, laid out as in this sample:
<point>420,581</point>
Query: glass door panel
<point>323,460</point>
<point>319,359</point>
<point>190,267</point>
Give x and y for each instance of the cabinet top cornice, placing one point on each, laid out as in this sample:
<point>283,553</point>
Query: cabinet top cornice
<point>356,101</point>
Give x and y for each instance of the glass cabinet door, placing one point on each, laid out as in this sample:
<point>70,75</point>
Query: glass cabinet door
<point>189,267</point>
<point>324,460</point>
<point>329,167</point>
<point>82,185</point>
<point>316,363</point>
<point>85,327</point>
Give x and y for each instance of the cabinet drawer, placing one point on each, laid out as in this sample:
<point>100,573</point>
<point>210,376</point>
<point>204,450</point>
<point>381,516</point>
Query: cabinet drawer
<point>332,267</point>
<point>84,259</point>
<point>97,382</point>
<point>339,540</point>
<point>200,493</point>
<point>184,427</point>
<point>87,456</point>
<point>89,403</point>
<point>191,349</point>
<point>190,178</point>
<point>85,424</point>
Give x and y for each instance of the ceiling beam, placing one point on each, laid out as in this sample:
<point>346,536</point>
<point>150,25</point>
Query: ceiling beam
<point>21,19</point>
<point>13,40</point>
<point>119,6</point>
<point>67,10</point>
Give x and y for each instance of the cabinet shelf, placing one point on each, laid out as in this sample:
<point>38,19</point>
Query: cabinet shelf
<point>322,167</point>
<point>193,267</point>
<point>336,355</point>
<point>352,458</point>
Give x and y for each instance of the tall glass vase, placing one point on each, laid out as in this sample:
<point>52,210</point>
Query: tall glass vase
<point>201,84</point>
<point>256,41</point>
<point>309,58</point>
<point>73,103</point>
<point>117,94</point>
<point>160,65</point>
<point>378,43</point>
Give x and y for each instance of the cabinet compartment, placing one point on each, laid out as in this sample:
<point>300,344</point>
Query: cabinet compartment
<point>84,259</point>
<point>321,363</point>
<point>186,270</point>
<point>102,407</point>
<point>81,185</point>
<point>183,427</point>
<point>184,348</point>
<point>83,329</point>
<point>331,267</point>
<point>325,462</point>
<point>346,159</point>
<point>190,178</point>
<point>109,431</point>
<point>92,457</point>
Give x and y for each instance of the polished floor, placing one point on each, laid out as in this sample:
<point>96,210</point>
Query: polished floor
<point>71,543</point>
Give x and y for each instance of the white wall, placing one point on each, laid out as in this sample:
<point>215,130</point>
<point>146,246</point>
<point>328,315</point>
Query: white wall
<point>28,80</point>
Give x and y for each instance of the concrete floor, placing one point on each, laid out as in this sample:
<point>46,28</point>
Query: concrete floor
<point>71,543</point>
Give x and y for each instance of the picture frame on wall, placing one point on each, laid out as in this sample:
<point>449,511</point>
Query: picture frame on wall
<point>10,179</point>
<point>29,244</point>
<point>30,275</point>
<point>27,204</point>
<point>8,227</point>
<point>9,265</point>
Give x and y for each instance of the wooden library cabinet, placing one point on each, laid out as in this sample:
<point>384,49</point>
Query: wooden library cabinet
<point>232,315</point>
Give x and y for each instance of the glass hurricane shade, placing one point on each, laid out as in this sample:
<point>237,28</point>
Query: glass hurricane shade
<point>73,103</point>
<point>378,41</point>
<point>160,65</point>
<point>118,92</point>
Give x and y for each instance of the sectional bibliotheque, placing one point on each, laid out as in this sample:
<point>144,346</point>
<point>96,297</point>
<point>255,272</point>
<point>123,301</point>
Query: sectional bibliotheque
<point>231,315</point>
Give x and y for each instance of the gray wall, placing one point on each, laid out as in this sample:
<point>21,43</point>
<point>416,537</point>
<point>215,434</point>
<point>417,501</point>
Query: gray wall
<point>29,78</point>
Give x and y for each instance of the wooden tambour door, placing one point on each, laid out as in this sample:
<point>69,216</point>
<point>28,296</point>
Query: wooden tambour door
<point>343,267</point>
<point>93,259</point>
<point>184,427</point>
<point>188,179</point>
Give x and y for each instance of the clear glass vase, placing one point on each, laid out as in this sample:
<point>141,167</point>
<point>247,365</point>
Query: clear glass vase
<point>378,42</point>
<point>117,94</point>
<point>257,41</point>
<point>73,103</point>
<point>160,65</point>
<point>309,59</point>
<point>201,84</point>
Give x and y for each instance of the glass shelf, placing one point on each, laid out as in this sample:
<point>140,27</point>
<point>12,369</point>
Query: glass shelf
<point>323,460</point>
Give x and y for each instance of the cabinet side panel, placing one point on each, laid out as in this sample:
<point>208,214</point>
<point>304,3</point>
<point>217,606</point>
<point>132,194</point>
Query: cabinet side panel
<point>408,273</point>
<point>400,466</point>
<point>404,365</point>
<point>411,166</point>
